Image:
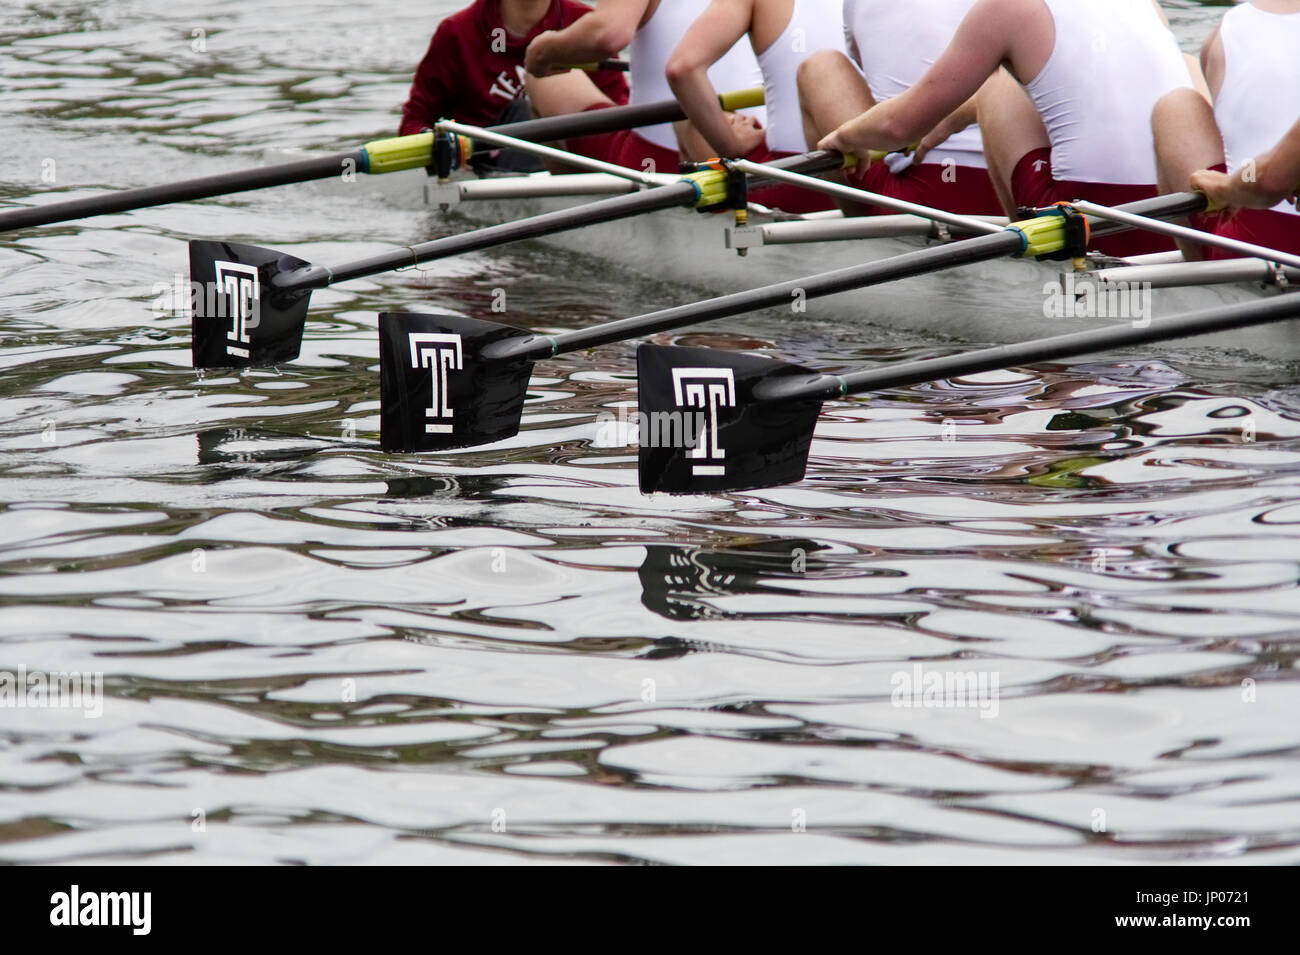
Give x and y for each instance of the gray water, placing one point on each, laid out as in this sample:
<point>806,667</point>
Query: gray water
<point>313,651</point>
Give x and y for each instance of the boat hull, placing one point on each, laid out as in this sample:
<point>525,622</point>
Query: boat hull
<point>1006,300</point>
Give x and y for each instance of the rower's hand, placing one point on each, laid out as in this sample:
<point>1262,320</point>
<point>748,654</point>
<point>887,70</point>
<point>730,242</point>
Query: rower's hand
<point>748,133</point>
<point>844,141</point>
<point>1224,191</point>
<point>1235,191</point>
<point>537,58</point>
<point>932,140</point>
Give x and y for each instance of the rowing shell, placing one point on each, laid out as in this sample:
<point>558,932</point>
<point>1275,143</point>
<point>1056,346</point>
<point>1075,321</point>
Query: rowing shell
<point>1002,301</point>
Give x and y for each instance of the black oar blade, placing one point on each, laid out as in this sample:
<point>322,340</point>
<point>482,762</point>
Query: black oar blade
<point>438,390</point>
<point>702,430</point>
<point>239,319</point>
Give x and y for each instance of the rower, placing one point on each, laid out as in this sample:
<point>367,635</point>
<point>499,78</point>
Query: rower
<point>1070,115</point>
<point>651,30</point>
<point>473,70</point>
<point>1267,202</point>
<point>783,33</point>
<point>1254,78</point>
<point>892,45</point>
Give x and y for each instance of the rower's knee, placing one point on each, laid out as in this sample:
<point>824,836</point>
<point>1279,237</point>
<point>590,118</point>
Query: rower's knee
<point>1000,92</point>
<point>1007,117</point>
<point>1183,107</point>
<point>814,69</point>
<point>571,92</point>
<point>1184,127</point>
<point>1186,138</point>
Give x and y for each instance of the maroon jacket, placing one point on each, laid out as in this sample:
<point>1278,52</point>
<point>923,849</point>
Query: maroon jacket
<point>462,77</point>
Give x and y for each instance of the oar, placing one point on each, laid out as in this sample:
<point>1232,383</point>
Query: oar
<point>1092,209</point>
<point>967,224</point>
<point>462,139</point>
<point>714,421</point>
<point>1196,203</point>
<point>1248,249</point>
<point>375,158</point>
<point>573,125</point>
<point>450,382</point>
<point>249,304</point>
<point>476,135</point>
<point>621,66</point>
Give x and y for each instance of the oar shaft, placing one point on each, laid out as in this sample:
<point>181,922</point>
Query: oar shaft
<point>840,191</point>
<point>497,138</point>
<point>1248,249</point>
<point>385,155</point>
<point>555,128</point>
<point>676,194</point>
<point>1219,319</point>
<point>1175,205</point>
<point>550,223</point>
<point>621,66</point>
<point>1005,242</point>
<point>281,174</point>
<point>903,266</point>
<point>570,126</point>
<point>819,160</point>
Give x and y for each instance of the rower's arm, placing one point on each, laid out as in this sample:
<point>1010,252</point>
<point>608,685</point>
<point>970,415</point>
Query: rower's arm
<point>1213,63</point>
<point>599,35</point>
<point>720,27</point>
<point>963,117</point>
<point>986,38</point>
<point>1271,178</point>
<point>1279,169</point>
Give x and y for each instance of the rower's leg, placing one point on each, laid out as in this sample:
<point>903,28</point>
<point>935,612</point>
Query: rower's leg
<point>571,92</point>
<point>1012,129</point>
<point>1187,140</point>
<point>831,92</point>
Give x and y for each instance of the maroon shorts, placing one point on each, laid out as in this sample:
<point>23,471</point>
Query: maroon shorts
<point>1273,230</point>
<point>963,190</point>
<point>1033,185</point>
<point>625,148</point>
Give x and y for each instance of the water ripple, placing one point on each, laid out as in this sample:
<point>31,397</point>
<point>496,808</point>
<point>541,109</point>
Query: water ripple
<point>507,654</point>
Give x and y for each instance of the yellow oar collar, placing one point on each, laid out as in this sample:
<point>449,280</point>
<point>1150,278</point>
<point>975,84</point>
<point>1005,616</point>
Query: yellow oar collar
<point>1057,232</point>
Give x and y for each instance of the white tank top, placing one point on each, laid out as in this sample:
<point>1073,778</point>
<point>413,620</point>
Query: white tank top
<point>1112,61</point>
<point>654,44</point>
<point>814,25</point>
<point>1260,98</point>
<point>898,42</point>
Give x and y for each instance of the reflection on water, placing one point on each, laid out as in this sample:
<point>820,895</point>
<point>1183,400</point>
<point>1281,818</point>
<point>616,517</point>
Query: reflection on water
<point>507,653</point>
<point>677,582</point>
